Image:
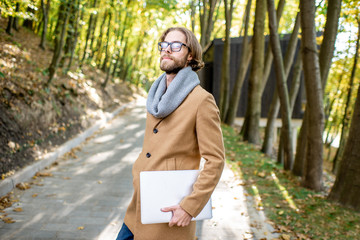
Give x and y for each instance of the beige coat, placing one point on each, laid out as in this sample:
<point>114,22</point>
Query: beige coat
<point>177,142</point>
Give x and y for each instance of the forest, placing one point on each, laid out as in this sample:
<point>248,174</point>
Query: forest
<point>118,38</point>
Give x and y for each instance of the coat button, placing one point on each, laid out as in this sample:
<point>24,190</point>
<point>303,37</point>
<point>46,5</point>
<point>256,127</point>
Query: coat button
<point>155,130</point>
<point>148,155</point>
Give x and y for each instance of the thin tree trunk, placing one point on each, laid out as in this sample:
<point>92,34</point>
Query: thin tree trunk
<point>100,38</point>
<point>326,54</point>
<point>192,14</point>
<point>347,112</point>
<point>281,86</point>
<point>76,35</point>
<point>252,132</point>
<point>346,189</point>
<point>16,19</point>
<point>59,43</point>
<point>107,45</point>
<point>328,44</point>
<point>269,55</point>
<point>45,10</point>
<point>9,25</point>
<point>314,156</point>
<point>243,67</point>
<point>268,143</point>
<point>225,67</point>
<point>90,26</point>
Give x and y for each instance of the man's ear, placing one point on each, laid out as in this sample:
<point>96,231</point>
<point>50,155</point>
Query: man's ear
<point>189,58</point>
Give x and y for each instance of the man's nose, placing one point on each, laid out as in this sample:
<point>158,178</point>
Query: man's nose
<point>168,49</point>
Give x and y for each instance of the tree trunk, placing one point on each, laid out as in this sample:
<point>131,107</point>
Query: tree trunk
<point>225,67</point>
<point>100,38</point>
<point>346,189</point>
<point>192,14</point>
<point>90,26</point>
<point>10,25</point>
<point>252,132</point>
<point>70,36</point>
<point>45,10</point>
<point>243,67</point>
<point>268,143</point>
<point>269,55</point>
<point>206,20</point>
<point>16,19</point>
<point>347,112</point>
<point>281,86</point>
<point>314,156</point>
<point>59,42</point>
<point>328,44</point>
<point>75,35</point>
<point>326,54</point>
<point>107,45</point>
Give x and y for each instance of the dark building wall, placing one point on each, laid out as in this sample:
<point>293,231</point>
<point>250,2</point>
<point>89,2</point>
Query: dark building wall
<point>210,76</point>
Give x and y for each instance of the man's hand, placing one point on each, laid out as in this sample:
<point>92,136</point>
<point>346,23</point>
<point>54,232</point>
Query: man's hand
<point>179,216</point>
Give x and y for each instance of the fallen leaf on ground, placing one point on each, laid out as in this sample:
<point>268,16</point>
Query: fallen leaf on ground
<point>44,174</point>
<point>80,228</point>
<point>35,195</point>
<point>285,236</point>
<point>19,209</point>
<point>23,186</point>
<point>8,220</point>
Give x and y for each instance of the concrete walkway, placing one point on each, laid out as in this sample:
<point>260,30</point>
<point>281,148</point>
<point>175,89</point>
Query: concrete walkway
<point>87,195</point>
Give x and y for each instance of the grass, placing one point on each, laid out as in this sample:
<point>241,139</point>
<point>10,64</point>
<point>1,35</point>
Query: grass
<point>294,211</point>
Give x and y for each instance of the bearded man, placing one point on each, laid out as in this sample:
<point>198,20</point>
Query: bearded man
<point>182,126</point>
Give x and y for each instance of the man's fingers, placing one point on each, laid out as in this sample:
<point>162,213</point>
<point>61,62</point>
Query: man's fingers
<point>168,209</point>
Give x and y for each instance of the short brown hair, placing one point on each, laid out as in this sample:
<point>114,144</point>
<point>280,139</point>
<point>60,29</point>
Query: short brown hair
<point>196,62</point>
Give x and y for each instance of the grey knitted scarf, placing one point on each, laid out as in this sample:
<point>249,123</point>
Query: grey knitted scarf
<point>161,102</point>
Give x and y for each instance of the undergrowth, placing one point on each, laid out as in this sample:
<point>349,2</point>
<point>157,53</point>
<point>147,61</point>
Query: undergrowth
<point>294,211</point>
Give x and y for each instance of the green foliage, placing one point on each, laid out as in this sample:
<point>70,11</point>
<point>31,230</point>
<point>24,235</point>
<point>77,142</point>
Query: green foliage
<point>292,209</point>
<point>2,75</point>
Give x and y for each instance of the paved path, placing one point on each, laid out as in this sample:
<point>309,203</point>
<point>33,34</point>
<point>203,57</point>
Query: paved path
<point>86,197</point>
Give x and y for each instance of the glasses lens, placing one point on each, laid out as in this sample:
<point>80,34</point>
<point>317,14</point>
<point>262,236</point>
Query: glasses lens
<point>163,45</point>
<point>176,47</point>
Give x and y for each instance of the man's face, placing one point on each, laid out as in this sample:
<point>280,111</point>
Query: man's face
<point>173,62</point>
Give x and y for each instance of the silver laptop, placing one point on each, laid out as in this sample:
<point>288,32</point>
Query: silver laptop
<point>159,189</point>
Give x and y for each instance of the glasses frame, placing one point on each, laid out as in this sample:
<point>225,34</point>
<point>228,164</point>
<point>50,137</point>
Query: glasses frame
<point>171,46</point>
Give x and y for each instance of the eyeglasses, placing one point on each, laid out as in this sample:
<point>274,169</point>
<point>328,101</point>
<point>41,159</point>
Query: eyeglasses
<point>174,46</point>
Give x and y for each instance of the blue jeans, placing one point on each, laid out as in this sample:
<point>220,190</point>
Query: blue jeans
<point>125,233</point>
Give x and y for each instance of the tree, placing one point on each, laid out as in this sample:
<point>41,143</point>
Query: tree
<point>225,67</point>
<point>59,39</point>
<point>246,51</point>
<point>251,132</point>
<point>326,54</point>
<point>314,156</point>
<point>206,12</point>
<point>281,86</point>
<point>45,11</point>
<point>346,188</point>
<point>347,112</point>
<point>89,32</point>
<point>267,146</point>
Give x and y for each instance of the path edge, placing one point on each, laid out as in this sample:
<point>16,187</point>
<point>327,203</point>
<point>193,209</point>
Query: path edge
<point>8,184</point>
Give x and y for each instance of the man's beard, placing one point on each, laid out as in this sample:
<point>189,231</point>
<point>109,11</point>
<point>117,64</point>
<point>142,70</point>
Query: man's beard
<point>173,67</point>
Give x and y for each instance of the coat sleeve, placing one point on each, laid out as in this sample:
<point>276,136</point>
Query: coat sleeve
<point>211,147</point>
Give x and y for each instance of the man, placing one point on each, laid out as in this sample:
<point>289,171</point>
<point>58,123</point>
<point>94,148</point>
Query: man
<point>182,126</point>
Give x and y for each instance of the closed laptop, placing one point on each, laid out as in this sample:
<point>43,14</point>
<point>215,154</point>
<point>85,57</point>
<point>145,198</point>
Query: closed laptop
<point>159,189</point>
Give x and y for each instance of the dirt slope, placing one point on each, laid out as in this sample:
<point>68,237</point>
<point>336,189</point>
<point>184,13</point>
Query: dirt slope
<point>34,118</point>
